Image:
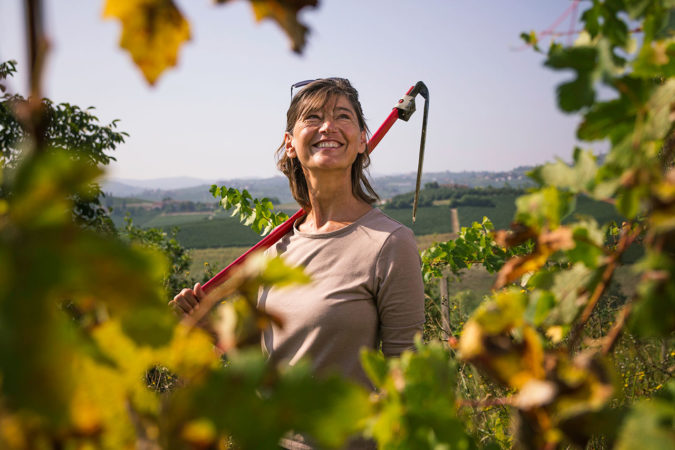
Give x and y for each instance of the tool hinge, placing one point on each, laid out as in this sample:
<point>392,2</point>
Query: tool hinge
<point>406,107</point>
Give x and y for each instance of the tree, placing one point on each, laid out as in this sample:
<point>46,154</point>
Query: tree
<point>70,129</point>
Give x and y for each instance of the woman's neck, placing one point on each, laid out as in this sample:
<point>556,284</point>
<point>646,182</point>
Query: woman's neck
<point>334,206</point>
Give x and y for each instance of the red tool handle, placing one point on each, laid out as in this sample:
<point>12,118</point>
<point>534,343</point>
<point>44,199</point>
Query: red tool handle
<point>285,227</point>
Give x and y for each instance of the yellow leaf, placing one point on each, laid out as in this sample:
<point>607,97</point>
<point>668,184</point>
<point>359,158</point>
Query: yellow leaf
<point>471,341</point>
<point>191,352</point>
<point>152,31</point>
<point>555,334</point>
<point>285,13</point>
<point>85,414</point>
<point>200,433</point>
<point>12,433</point>
<point>535,393</point>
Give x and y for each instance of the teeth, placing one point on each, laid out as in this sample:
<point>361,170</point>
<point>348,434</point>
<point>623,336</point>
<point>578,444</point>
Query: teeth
<point>329,144</point>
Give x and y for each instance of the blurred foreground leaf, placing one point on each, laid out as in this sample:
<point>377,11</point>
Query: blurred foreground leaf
<point>285,14</point>
<point>152,32</point>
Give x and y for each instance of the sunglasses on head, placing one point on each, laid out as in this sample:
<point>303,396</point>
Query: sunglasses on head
<point>296,87</point>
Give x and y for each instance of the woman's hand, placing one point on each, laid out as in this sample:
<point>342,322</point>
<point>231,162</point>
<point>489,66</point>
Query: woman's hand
<point>187,302</point>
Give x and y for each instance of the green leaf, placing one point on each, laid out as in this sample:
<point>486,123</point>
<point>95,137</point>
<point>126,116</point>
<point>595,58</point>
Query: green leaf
<point>502,312</point>
<point>577,94</point>
<point>149,326</point>
<point>375,366</point>
<point>566,288</point>
<point>577,178</point>
<point>531,39</point>
<point>649,424</point>
<point>629,201</point>
<point>582,59</point>
<point>588,245</point>
<point>616,30</point>
<point>539,306</point>
<point>652,314</point>
<point>544,208</point>
<point>591,18</point>
<point>613,119</point>
<point>660,120</point>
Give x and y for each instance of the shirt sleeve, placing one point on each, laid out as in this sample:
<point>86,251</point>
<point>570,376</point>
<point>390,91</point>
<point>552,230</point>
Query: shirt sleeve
<point>400,292</point>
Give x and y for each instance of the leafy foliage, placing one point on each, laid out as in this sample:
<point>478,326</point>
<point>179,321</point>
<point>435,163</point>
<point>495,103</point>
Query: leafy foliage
<point>474,245</point>
<point>177,276</point>
<point>68,128</point>
<point>414,406</point>
<point>530,338</point>
<point>260,216</point>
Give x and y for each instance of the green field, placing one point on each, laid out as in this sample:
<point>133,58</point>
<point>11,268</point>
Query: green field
<point>219,232</point>
<point>207,230</point>
<point>177,220</point>
<point>436,219</point>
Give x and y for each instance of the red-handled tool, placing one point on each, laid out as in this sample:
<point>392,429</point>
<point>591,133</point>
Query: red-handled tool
<point>403,109</point>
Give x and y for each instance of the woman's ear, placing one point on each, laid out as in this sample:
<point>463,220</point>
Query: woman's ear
<point>362,142</point>
<point>288,145</point>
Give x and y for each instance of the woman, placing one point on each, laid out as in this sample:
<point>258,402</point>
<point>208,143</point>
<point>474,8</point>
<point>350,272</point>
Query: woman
<point>367,288</point>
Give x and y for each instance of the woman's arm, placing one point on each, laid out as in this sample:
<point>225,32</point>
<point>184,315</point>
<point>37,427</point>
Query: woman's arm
<point>400,295</point>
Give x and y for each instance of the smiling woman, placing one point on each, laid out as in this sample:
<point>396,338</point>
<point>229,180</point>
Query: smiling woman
<point>367,289</point>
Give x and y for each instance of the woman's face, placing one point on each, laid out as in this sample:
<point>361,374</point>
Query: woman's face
<point>327,139</point>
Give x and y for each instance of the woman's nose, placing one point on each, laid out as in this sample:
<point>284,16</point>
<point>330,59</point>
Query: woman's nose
<point>326,126</point>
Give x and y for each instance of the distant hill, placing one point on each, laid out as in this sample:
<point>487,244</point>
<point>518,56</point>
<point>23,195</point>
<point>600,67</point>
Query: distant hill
<point>167,183</point>
<point>119,189</point>
<point>386,186</point>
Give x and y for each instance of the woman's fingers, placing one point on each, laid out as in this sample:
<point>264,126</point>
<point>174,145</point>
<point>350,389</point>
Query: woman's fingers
<point>186,301</point>
<point>199,291</point>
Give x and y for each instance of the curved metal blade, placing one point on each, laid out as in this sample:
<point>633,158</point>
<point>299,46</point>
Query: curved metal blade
<point>421,157</point>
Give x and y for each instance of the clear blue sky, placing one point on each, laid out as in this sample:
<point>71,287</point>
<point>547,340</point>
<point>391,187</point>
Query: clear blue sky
<point>221,113</point>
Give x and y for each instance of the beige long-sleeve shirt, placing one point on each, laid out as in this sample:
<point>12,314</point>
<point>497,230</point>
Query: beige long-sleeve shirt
<point>367,289</point>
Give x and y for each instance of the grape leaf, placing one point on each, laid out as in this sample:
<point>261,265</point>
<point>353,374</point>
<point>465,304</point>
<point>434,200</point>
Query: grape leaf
<point>284,13</point>
<point>576,178</point>
<point>152,32</point>
<point>649,420</point>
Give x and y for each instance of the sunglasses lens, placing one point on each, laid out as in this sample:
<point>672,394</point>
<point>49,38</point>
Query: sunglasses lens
<point>296,87</point>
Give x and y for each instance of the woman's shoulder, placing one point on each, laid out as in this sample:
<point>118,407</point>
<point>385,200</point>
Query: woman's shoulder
<point>378,222</point>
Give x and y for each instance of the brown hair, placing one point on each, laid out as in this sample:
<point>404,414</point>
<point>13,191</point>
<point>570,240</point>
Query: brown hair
<point>311,97</point>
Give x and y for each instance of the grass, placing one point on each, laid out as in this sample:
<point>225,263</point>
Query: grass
<point>216,258</point>
<point>427,240</point>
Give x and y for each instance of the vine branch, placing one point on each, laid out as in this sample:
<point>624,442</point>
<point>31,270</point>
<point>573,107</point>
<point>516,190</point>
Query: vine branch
<point>31,114</point>
<point>626,239</point>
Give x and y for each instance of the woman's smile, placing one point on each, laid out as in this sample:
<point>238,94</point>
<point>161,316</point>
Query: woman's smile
<point>327,144</point>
